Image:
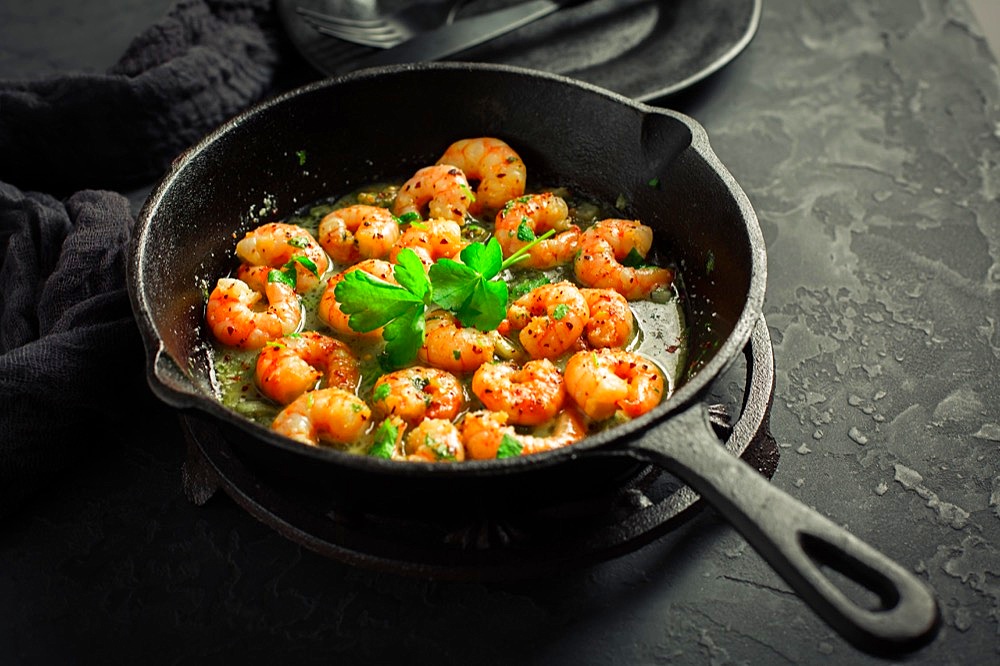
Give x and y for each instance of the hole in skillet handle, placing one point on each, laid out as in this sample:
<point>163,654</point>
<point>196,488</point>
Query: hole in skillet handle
<point>802,546</point>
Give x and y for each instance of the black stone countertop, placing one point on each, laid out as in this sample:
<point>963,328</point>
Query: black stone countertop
<point>867,136</point>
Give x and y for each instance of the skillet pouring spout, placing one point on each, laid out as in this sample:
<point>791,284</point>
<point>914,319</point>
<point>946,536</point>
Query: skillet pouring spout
<point>796,541</point>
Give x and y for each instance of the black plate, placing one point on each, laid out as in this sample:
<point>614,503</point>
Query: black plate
<point>643,49</point>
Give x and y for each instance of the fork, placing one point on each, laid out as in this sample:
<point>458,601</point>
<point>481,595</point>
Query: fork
<point>384,31</point>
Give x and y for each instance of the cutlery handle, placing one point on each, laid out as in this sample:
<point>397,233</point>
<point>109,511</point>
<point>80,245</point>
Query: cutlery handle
<point>796,541</point>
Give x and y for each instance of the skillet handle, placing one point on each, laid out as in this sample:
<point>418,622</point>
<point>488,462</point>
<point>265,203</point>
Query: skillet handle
<point>795,540</point>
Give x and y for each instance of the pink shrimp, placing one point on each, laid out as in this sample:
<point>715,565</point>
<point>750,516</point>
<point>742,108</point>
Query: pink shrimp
<point>602,249</point>
<point>416,393</point>
<point>435,440</point>
<point>551,318</point>
<point>358,232</point>
<point>524,218</point>
<point>487,435</point>
<point>611,322</point>
<point>499,170</point>
<point>276,243</point>
<point>290,366</point>
<point>440,190</point>
<point>330,416</point>
<point>607,381</point>
<point>236,318</point>
<point>530,394</point>
<point>450,346</point>
<point>432,239</point>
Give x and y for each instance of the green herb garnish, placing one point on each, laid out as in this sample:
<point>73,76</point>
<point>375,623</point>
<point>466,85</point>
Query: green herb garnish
<point>409,218</point>
<point>381,392</point>
<point>439,449</point>
<point>524,231</point>
<point>519,289</point>
<point>468,289</point>
<point>373,303</point>
<point>286,277</point>
<point>560,311</point>
<point>509,448</point>
<point>635,260</point>
<point>385,440</point>
<point>301,154</point>
<point>287,274</point>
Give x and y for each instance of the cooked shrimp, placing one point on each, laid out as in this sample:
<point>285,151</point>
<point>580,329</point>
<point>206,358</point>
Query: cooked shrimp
<point>276,243</point>
<point>538,213</point>
<point>416,393</point>
<point>530,395</point>
<point>358,232</point>
<point>500,171</point>
<point>450,346</point>
<point>551,318</point>
<point>602,249</point>
<point>330,415</point>
<point>484,432</point>
<point>329,310</point>
<point>254,276</point>
<point>236,317</point>
<point>440,190</point>
<point>294,364</point>
<point>606,381</point>
<point>611,322</point>
<point>432,240</point>
<point>435,440</point>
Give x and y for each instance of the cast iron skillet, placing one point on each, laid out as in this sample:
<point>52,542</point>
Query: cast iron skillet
<point>331,136</point>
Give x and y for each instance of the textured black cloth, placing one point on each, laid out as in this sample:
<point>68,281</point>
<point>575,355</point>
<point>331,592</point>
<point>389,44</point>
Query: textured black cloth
<point>70,352</point>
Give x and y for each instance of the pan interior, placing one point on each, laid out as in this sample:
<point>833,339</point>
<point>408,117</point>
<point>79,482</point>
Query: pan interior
<point>336,135</point>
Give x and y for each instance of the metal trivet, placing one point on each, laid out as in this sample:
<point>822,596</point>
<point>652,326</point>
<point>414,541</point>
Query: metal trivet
<point>495,546</point>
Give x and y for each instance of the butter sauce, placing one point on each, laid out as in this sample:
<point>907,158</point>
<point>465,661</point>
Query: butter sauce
<point>659,331</point>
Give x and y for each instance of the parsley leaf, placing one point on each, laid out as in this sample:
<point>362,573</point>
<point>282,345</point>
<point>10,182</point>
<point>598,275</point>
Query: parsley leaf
<point>522,287</point>
<point>381,392</point>
<point>274,275</point>
<point>287,273</point>
<point>409,273</point>
<point>403,337</point>
<point>509,448</point>
<point>468,288</point>
<point>372,303</point>
<point>385,440</point>
<point>524,231</point>
<point>635,260</point>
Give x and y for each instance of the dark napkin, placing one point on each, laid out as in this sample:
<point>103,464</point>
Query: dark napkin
<point>70,352</point>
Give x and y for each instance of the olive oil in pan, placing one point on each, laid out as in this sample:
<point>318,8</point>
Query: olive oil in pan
<point>660,337</point>
<point>660,326</point>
